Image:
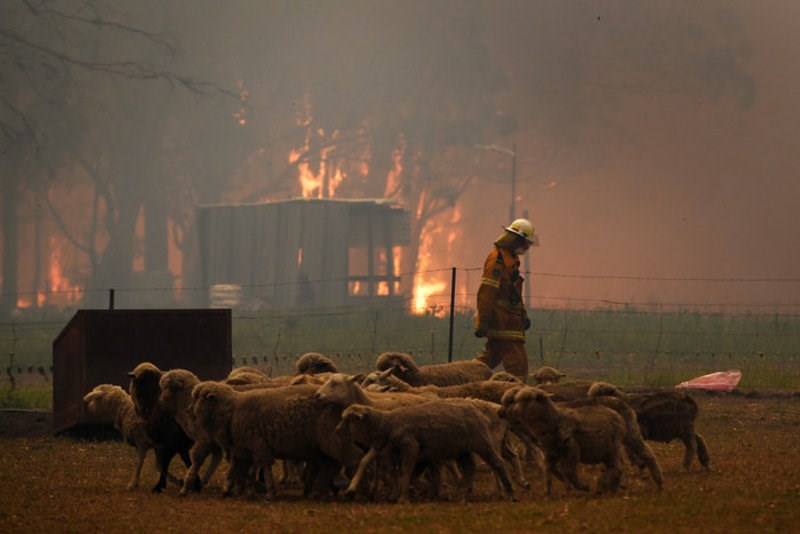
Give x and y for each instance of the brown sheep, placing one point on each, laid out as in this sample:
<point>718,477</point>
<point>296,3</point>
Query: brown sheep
<point>176,399</point>
<point>488,390</point>
<point>168,437</point>
<point>443,374</point>
<point>314,363</point>
<point>663,417</point>
<point>435,431</point>
<point>565,391</point>
<point>569,436</point>
<point>107,400</point>
<point>638,451</point>
<point>546,375</point>
<point>258,426</point>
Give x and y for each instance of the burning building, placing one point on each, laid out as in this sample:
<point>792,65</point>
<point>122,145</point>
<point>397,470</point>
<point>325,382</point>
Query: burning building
<point>303,252</point>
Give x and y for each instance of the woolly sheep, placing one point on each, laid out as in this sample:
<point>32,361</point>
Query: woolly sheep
<point>564,391</point>
<point>546,375</point>
<point>505,376</point>
<point>638,451</point>
<point>312,363</point>
<point>247,375</point>
<point>107,400</point>
<point>345,391</point>
<point>176,399</point>
<point>664,416</point>
<point>256,427</point>
<point>489,390</point>
<point>569,436</point>
<point>443,374</point>
<point>437,431</point>
<point>168,437</point>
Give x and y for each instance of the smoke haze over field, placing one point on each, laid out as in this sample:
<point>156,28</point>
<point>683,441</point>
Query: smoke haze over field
<point>657,150</point>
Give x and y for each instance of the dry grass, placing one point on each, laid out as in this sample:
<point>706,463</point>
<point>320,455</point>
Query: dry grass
<point>68,485</point>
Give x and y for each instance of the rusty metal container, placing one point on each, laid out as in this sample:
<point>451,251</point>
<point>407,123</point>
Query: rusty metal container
<point>102,346</point>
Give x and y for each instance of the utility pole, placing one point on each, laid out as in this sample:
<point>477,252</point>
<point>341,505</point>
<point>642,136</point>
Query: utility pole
<point>512,153</point>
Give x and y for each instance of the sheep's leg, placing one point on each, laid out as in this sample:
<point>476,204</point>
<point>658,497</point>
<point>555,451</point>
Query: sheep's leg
<point>362,466</point>
<point>568,466</point>
<point>612,475</point>
<point>163,458</point>
<point>141,453</point>
<point>645,454</point>
<point>492,457</point>
<point>702,451</point>
<point>409,453</point>
<point>216,458</point>
<point>197,455</point>
<point>466,464</point>
<point>515,466</point>
<point>688,440</point>
<point>326,471</point>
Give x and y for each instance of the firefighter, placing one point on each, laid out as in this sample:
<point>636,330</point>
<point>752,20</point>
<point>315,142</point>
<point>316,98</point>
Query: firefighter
<point>502,318</point>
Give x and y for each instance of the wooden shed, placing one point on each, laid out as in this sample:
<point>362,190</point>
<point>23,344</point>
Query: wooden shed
<point>303,252</point>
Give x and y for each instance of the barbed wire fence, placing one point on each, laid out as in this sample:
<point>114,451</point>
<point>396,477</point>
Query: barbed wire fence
<point>628,342</point>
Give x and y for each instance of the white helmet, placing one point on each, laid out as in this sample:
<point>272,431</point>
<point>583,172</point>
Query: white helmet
<point>523,228</point>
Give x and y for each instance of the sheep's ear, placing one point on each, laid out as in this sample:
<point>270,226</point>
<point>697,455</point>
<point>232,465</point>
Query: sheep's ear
<point>387,372</point>
<point>354,379</point>
<point>132,374</point>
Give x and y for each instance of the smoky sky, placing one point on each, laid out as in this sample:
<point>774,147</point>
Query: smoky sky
<point>656,142</point>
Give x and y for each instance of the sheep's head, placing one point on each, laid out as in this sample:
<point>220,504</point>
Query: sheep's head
<point>399,362</point>
<point>352,415</point>
<point>144,388</point>
<point>337,389</point>
<point>376,379</point>
<point>547,375</point>
<point>531,401</point>
<point>175,385</point>
<point>312,363</point>
<point>606,389</point>
<point>206,396</point>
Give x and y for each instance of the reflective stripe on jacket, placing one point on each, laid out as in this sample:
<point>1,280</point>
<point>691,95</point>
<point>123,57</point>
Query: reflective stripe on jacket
<point>500,306</point>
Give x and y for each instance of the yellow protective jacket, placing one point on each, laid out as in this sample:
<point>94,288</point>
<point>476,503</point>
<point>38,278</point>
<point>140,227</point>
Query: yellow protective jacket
<point>501,311</point>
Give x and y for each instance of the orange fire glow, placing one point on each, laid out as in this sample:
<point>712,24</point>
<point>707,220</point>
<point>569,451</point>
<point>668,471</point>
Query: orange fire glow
<point>426,284</point>
<point>61,292</point>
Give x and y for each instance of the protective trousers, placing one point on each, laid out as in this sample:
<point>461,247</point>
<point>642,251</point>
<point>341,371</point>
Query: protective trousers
<point>510,353</point>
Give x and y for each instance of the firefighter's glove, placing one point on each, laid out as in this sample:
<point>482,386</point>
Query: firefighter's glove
<point>527,323</point>
<point>481,331</point>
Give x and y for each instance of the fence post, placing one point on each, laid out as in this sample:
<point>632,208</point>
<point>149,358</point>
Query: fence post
<point>452,315</point>
<point>111,299</point>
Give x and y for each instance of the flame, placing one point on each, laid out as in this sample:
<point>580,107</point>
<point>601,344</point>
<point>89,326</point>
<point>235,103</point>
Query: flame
<point>62,291</point>
<point>426,284</point>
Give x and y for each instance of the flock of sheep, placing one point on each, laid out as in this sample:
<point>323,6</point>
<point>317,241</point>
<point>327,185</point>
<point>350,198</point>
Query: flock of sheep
<point>396,430</point>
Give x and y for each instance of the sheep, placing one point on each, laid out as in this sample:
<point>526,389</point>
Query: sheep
<point>258,426</point>
<point>247,375</point>
<point>638,451</point>
<point>505,376</point>
<point>435,431</point>
<point>568,436</point>
<point>344,390</point>
<point>489,390</point>
<point>176,398</point>
<point>107,400</point>
<point>664,416</point>
<point>312,363</point>
<point>168,437</point>
<point>546,375</point>
<point>564,391</point>
<point>444,374</point>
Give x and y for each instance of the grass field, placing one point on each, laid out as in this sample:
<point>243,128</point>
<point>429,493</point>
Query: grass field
<point>69,485</point>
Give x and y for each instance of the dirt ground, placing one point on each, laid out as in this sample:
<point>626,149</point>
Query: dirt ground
<point>67,484</point>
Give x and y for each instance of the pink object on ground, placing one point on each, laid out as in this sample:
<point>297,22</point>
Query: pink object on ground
<point>719,381</point>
